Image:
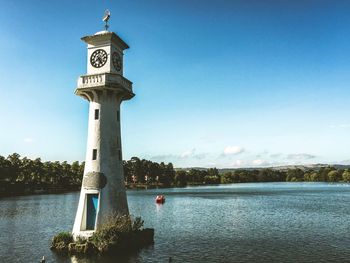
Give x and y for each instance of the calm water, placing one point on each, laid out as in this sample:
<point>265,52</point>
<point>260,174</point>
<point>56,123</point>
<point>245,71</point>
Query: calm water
<point>272,222</point>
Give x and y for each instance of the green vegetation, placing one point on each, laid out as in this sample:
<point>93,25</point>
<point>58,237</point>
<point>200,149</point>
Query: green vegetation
<point>213,176</point>
<point>61,241</point>
<point>22,175</point>
<point>137,171</point>
<point>323,174</point>
<point>119,234</point>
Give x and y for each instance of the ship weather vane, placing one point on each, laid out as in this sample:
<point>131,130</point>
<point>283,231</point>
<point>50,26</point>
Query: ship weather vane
<point>106,18</point>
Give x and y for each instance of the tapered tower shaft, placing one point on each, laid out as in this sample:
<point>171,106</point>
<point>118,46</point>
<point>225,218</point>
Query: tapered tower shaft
<point>103,191</point>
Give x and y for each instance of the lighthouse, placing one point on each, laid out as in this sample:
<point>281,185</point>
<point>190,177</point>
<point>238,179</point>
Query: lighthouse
<point>104,87</point>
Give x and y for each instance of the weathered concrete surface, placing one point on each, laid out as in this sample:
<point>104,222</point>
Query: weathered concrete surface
<point>105,88</point>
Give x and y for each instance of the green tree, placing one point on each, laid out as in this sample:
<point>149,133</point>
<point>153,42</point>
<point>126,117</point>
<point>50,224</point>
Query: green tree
<point>164,177</point>
<point>136,170</point>
<point>180,178</point>
<point>323,174</point>
<point>15,164</point>
<point>346,175</point>
<point>227,178</point>
<point>334,176</point>
<point>295,175</point>
<point>5,168</point>
<point>307,177</point>
<point>315,177</point>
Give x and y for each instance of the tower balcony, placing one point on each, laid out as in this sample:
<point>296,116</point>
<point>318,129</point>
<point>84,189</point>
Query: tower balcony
<point>108,81</point>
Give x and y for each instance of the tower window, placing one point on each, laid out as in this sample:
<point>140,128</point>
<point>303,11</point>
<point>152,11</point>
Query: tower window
<point>120,155</point>
<point>118,116</point>
<point>97,114</point>
<point>94,154</point>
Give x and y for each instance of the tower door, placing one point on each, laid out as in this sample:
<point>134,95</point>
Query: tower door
<point>91,210</point>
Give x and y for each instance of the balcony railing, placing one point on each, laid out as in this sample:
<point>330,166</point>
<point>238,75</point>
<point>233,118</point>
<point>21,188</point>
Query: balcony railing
<point>104,79</point>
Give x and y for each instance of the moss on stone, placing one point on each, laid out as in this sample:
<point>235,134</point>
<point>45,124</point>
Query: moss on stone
<point>61,241</point>
<point>119,234</point>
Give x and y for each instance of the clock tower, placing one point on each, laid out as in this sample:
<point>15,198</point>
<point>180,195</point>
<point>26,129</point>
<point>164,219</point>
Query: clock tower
<point>104,87</point>
<point>105,53</point>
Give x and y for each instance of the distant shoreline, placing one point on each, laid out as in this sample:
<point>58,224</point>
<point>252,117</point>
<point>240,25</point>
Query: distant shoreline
<point>35,191</point>
<point>23,176</point>
<point>135,187</point>
<point>41,191</point>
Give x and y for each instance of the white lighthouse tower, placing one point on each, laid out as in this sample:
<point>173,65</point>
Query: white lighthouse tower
<point>103,190</point>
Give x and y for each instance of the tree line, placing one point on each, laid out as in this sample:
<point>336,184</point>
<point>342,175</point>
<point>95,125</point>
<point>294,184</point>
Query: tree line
<point>21,174</point>
<point>141,171</point>
<point>323,174</point>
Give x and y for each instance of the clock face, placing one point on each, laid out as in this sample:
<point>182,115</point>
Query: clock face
<point>98,58</point>
<point>117,61</point>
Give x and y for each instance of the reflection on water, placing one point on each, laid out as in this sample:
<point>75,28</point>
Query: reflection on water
<point>272,222</point>
<point>105,259</point>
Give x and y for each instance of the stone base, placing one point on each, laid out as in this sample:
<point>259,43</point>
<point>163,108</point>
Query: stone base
<point>126,243</point>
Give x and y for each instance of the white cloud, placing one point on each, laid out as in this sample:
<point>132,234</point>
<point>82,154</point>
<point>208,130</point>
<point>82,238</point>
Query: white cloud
<point>259,162</point>
<point>300,156</point>
<point>163,157</point>
<point>275,155</point>
<point>238,163</point>
<point>188,153</point>
<point>249,163</point>
<point>28,140</point>
<point>232,150</point>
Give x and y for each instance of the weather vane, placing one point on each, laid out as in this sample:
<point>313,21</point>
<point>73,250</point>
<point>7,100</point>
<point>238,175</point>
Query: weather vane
<point>106,17</point>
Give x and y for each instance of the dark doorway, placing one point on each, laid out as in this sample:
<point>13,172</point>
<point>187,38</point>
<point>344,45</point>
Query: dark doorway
<point>91,210</point>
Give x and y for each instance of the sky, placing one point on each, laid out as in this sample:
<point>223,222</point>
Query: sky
<point>219,83</point>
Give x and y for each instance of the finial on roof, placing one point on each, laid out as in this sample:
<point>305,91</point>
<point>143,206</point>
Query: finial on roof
<point>105,19</point>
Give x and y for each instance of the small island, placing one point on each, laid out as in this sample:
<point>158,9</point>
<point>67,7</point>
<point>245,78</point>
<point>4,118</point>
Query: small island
<point>120,234</point>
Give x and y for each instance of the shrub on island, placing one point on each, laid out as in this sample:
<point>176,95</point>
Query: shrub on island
<point>120,234</point>
<point>61,241</point>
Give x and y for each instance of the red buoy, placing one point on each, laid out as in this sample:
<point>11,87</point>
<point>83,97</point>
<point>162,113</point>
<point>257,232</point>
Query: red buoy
<point>160,199</point>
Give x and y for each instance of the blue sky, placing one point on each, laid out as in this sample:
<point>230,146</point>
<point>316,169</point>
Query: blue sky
<point>218,83</point>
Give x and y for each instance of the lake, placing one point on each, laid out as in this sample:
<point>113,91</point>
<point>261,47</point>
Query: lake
<point>263,222</point>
